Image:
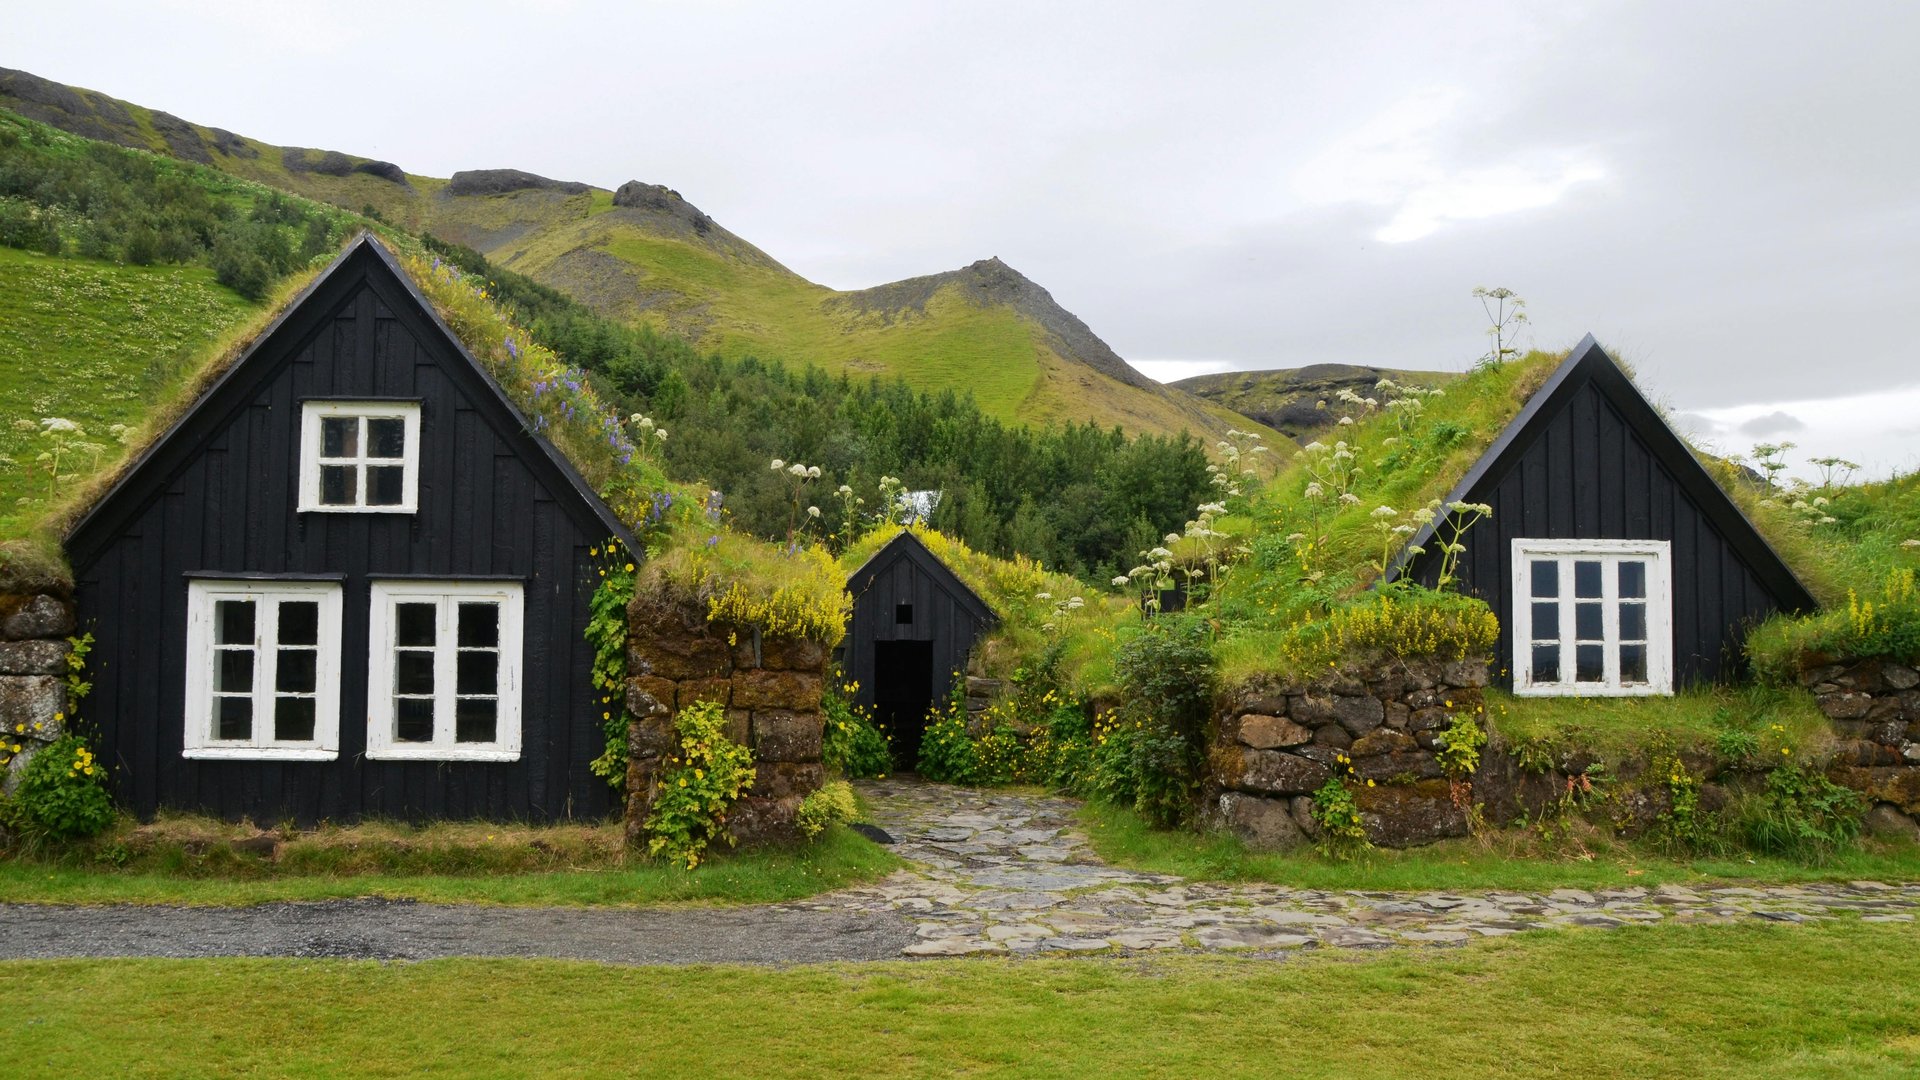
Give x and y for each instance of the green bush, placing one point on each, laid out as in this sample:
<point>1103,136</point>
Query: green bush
<point>1341,834</point>
<point>62,794</point>
<point>833,804</point>
<point>705,774</point>
<point>1151,755</point>
<point>947,752</point>
<point>1800,815</point>
<point>1884,625</point>
<point>853,747</point>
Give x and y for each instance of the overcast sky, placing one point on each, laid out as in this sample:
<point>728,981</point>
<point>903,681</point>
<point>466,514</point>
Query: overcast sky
<point>1726,194</point>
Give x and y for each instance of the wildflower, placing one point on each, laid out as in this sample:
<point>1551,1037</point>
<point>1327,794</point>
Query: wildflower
<point>1121,581</point>
<point>1385,512</point>
<point>813,511</point>
<point>629,568</point>
<point>1349,499</point>
<point>778,464</point>
<point>661,434</point>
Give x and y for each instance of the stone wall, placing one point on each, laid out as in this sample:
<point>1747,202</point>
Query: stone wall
<point>33,685</point>
<point>771,688</point>
<point>1874,706</point>
<point>1274,744</point>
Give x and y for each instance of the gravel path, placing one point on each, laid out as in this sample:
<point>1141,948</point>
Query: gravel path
<point>995,873</point>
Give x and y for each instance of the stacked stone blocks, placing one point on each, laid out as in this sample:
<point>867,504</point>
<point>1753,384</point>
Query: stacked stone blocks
<point>33,687</point>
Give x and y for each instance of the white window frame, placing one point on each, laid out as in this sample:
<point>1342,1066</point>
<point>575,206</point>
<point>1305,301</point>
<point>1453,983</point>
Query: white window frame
<point>312,412</point>
<point>448,595</point>
<point>1657,554</point>
<point>199,741</point>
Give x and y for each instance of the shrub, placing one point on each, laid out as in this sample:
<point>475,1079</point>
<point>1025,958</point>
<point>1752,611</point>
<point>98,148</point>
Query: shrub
<point>853,747</point>
<point>1151,759</point>
<point>1884,625</point>
<point>1801,815</point>
<point>62,793</point>
<point>833,804</point>
<point>705,774</point>
<point>607,632</point>
<point>947,752</point>
<point>1341,834</point>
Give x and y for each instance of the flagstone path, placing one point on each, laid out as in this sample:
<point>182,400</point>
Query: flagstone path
<point>992,873</point>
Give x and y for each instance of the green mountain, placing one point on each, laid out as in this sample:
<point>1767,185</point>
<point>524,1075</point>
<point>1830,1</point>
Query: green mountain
<point>645,255</point>
<point>1301,402</point>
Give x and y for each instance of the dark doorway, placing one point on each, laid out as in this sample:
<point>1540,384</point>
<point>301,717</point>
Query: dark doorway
<point>902,694</point>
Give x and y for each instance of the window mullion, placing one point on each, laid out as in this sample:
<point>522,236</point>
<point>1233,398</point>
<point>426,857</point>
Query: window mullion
<point>445,657</point>
<point>1610,620</point>
<point>1569,631</point>
<point>265,633</point>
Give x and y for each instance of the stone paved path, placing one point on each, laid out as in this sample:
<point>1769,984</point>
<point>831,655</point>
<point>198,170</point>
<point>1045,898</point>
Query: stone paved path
<point>1007,873</point>
<point>995,873</point>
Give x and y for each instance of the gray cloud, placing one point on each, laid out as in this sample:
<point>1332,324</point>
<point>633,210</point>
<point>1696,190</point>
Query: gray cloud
<point>1774,423</point>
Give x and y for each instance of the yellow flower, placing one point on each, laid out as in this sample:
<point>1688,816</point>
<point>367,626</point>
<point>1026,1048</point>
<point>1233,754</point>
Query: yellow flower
<point>1369,783</point>
<point>683,781</point>
<point>629,568</point>
<point>1784,752</point>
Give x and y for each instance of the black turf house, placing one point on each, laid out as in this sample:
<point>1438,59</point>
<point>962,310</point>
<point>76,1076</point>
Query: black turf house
<point>1617,565</point>
<point>348,582</point>
<point>914,624</point>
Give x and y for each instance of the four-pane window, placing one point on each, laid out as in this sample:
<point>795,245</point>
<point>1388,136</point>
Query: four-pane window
<point>1592,617</point>
<point>359,456</point>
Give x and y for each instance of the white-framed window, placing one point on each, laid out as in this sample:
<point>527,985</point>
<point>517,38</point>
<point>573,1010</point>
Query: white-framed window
<point>360,456</point>
<point>263,670</point>
<point>1592,617</point>
<point>443,680</point>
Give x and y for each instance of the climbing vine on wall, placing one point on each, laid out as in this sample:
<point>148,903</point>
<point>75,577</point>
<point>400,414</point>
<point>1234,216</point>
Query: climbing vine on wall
<point>607,633</point>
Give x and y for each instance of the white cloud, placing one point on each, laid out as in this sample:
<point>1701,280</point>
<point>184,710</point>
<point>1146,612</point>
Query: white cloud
<point>1167,371</point>
<point>1397,161</point>
<point>1878,430</point>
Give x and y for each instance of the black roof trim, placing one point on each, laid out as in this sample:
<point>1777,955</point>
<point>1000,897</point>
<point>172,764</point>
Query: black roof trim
<point>908,546</point>
<point>1589,365</point>
<point>113,508</point>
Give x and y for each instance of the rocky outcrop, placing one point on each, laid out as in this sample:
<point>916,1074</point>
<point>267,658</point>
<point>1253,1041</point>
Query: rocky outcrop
<point>1874,707</point>
<point>33,687</point>
<point>1275,743</point>
<point>771,688</point>
<point>504,181</point>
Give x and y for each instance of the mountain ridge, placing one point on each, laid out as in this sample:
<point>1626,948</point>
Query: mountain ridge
<point>643,253</point>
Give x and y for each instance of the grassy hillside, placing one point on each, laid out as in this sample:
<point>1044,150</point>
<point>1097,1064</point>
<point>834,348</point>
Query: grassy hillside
<point>1288,399</point>
<point>646,256</point>
<point>94,343</point>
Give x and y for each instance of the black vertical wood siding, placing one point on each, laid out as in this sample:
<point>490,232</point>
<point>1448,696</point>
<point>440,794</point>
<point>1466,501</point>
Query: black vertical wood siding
<point>1590,459</point>
<point>220,495</point>
<point>945,613</point>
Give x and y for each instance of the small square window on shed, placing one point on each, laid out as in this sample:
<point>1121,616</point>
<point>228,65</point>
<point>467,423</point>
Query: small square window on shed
<point>903,614</point>
<point>1592,617</point>
<point>359,456</point>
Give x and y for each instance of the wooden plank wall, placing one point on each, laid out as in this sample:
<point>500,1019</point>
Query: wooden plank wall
<point>230,508</point>
<point>1588,475</point>
<point>938,617</point>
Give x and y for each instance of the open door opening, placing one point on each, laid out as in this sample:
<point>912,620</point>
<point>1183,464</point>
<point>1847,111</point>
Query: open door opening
<point>902,696</point>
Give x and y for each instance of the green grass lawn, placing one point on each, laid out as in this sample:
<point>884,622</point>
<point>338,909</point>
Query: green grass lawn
<point>447,871</point>
<point>1505,860</point>
<point>1694,717</point>
<point>94,343</point>
<point>1754,1001</point>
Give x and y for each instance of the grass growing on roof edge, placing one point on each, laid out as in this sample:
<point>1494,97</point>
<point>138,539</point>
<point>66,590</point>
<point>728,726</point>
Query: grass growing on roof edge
<point>1754,1001</point>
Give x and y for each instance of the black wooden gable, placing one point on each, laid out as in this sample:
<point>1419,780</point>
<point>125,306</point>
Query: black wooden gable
<point>1589,457</point>
<point>367,274</point>
<point>908,547</point>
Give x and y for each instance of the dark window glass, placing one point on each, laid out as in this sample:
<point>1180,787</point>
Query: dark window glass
<point>233,718</point>
<point>299,622</point>
<point>475,720</point>
<point>339,486</point>
<point>1590,663</point>
<point>386,437</point>
<point>385,483</point>
<point>233,622</point>
<point>479,673</point>
<point>1586,622</point>
<point>479,626</point>
<point>1633,622</point>
<point>233,671</point>
<point>295,674</point>
<point>293,719</point>
<point>1546,663</point>
<point>1633,579</point>
<point>412,672</point>
<point>903,614</point>
<point>1586,579</point>
<point>1633,663</point>
<point>413,720</point>
<point>1546,622</point>
<point>1546,577</point>
<point>414,624</point>
<point>339,436</point>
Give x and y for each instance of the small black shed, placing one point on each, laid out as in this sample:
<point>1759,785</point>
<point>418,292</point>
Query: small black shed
<point>914,624</point>
<point>348,582</point>
<point>1617,565</point>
